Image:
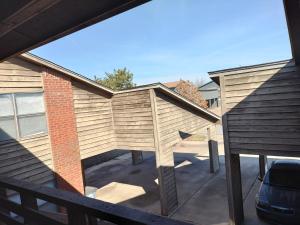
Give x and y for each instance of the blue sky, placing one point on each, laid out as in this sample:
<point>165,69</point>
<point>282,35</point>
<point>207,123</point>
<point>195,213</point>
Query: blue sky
<point>165,40</point>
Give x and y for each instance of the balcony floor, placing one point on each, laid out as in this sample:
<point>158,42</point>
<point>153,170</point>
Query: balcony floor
<point>202,196</point>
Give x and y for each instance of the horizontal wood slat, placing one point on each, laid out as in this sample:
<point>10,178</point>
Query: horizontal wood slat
<point>263,109</point>
<point>94,120</point>
<point>17,75</point>
<point>133,120</point>
<point>174,119</point>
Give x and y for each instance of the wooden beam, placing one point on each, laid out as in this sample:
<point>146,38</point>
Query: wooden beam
<point>27,12</point>
<point>30,202</point>
<point>213,152</point>
<point>137,157</point>
<point>292,12</point>
<point>263,166</point>
<point>233,170</point>
<point>166,173</point>
<point>163,203</point>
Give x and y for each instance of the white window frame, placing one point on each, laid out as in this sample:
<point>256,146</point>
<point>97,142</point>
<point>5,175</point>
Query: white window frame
<point>16,116</point>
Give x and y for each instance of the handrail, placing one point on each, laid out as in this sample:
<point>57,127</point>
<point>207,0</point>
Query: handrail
<point>80,210</point>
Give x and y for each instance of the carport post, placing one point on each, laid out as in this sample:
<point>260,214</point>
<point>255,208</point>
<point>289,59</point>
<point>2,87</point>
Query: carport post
<point>234,189</point>
<point>263,166</point>
<point>3,194</point>
<point>233,170</point>
<point>137,157</point>
<point>165,166</point>
<point>213,152</point>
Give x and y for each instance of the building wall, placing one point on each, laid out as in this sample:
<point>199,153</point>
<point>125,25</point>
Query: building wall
<point>17,75</point>
<point>211,93</point>
<point>262,105</point>
<point>63,131</point>
<point>94,120</point>
<point>176,120</point>
<point>174,123</point>
<point>84,122</point>
<point>28,159</point>
<point>133,122</point>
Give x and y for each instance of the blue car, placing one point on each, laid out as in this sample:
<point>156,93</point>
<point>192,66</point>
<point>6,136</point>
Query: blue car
<point>278,200</point>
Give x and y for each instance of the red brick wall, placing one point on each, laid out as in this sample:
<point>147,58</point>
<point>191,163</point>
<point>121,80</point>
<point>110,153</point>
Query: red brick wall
<point>62,130</point>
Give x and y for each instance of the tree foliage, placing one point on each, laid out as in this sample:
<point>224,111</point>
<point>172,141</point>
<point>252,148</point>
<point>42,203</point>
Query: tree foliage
<point>119,79</point>
<point>191,92</point>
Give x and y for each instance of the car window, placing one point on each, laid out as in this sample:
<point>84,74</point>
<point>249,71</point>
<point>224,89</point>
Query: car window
<point>284,178</point>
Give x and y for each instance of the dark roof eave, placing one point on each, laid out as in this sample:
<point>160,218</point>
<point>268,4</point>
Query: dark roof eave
<point>292,15</point>
<point>30,25</point>
<point>216,72</point>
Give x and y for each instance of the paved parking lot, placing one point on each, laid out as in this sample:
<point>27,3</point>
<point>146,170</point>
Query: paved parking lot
<point>202,196</point>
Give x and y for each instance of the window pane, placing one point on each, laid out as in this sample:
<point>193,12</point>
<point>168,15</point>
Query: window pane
<point>30,103</point>
<point>30,125</point>
<point>6,105</point>
<point>7,129</point>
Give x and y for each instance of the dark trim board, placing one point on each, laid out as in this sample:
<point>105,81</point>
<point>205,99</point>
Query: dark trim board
<point>292,12</point>
<point>266,153</point>
<point>101,158</point>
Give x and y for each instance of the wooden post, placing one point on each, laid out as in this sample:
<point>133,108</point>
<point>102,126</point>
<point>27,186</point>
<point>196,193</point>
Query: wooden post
<point>137,157</point>
<point>213,153</point>
<point>234,186</point>
<point>92,220</point>
<point>233,170</point>
<point>263,166</point>
<point>76,217</point>
<point>30,202</point>
<point>165,166</point>
<point>4,211</point>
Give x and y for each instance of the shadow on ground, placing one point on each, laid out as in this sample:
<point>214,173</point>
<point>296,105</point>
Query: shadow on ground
<point>202,196</point>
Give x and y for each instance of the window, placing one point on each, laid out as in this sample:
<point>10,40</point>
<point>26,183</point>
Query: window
<point>288,178</point>
<point>21,115</point>
<point>213,102</point>
<point>7,118</point>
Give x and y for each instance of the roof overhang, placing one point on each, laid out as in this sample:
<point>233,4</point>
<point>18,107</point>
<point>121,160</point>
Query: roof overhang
<point>28,24</point>
<point>215,75</point>
<point>292,13</point>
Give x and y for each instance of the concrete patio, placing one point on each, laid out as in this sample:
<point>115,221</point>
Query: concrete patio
<point>202,196</point>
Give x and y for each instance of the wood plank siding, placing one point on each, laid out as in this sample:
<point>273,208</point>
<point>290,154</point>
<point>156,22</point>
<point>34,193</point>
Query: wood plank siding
<point>263,109</point>
<point>133,122</point>
<point>28,159</point>
<point>176,120</point>
<point>94,120</point>
<point>148,118</point>
<point>17,75</point>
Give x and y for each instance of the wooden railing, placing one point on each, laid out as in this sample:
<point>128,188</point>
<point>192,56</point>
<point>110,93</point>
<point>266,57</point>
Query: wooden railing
<point>77,209</point>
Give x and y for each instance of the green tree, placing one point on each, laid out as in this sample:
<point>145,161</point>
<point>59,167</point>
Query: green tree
<point>119,79</point>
